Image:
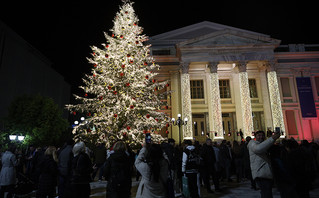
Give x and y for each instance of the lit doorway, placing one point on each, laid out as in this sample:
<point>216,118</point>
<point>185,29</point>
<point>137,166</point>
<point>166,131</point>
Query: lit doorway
<point>228,126</point>
<point>199,127</point>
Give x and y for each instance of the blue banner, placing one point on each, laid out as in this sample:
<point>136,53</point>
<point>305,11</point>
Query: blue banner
<point>306,101</point>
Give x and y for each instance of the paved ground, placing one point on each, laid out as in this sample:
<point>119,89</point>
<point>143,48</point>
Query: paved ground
<point>229,190</point>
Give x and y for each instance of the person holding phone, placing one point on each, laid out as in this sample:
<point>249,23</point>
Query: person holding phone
<point>153,167</point>
<point>260,162</point>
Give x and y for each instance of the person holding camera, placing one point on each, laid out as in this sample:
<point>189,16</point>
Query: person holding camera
<point>154,170</point>
<point>260,162</point>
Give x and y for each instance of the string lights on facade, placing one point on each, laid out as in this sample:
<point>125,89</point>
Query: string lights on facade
<point>187,109</point>
<point>245,104</point>
<point>216,106</point>
<point>275,102</point>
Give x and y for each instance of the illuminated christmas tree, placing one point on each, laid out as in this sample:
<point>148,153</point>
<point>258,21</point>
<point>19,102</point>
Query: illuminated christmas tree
<point>122,99</point>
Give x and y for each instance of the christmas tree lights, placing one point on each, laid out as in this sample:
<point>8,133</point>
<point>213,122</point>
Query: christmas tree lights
<point>121,98</point>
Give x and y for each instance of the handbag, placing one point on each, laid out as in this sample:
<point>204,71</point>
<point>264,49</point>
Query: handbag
<point>185,187</point>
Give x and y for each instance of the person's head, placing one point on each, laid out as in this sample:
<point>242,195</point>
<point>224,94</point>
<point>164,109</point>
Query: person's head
<point>208,142</point>
<point>31,148</point>
<point>248,138</point>
<point>153,158</point>
<point>119,147</point>
<point>12,147</point>
<point>171,141</point>
<point>51,151</point>
<point>78,148</point>
<point>260,136</point>
<point>188,142</point>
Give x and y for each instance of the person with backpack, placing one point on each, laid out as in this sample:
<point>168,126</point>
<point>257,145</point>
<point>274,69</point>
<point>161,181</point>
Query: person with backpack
<point>153,167</point>
<point>118,172</point>
<point>190,166</point>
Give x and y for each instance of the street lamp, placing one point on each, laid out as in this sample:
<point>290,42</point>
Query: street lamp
<point>16,137</point>
<point>179,122</point>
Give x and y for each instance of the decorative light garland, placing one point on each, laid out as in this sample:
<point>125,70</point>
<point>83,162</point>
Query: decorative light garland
<point>275,102</point>
<point>245,104</point>
<point>186,105</point>
<point>216,105</point>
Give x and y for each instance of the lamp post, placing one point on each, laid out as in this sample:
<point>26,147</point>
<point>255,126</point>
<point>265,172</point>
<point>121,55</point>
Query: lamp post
<point>179,122</point>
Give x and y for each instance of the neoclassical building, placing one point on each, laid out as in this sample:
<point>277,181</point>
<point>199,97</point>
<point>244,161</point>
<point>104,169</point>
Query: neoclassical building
<point>225,80</point>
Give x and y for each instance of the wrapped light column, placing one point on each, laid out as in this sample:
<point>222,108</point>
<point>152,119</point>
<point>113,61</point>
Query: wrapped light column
<point>216,109</point>
<point>186,101</point>
<point>274,95</point>
<point>245,100</point>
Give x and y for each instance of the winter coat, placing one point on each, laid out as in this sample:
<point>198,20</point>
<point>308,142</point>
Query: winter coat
<point>209,158</point>
<point>259,160</point>
<point>81,169</point>
<point>8,172</point>
<point>65,161</point>
<point>225,155</point>
<point>48,176</point>
<point>148,188</point>
<point>117,172</point>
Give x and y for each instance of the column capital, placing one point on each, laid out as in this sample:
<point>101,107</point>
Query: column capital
<point>184,67</point>
<point>272,65</point>
<point>213,66</point>
<point>242,66</point>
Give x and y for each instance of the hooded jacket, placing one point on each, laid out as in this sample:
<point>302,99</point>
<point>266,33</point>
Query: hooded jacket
<point>184,160</point>
<point>259,160</point>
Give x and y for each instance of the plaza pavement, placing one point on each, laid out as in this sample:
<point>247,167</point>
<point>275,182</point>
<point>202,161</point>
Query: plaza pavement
<point>229,190</point>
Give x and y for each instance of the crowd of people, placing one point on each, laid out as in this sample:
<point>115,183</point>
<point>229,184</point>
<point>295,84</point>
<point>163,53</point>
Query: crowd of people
<point>290,166</point>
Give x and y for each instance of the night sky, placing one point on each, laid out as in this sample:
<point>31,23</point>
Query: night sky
<point>64,32</point>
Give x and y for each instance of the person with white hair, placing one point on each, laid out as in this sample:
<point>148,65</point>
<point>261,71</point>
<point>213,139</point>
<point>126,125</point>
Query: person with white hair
<point>81,172</point>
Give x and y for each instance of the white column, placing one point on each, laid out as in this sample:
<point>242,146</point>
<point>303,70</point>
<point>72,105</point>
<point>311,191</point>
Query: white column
<point>265,98</point>
<point>215,109</point>
<point>186,101</point>
<point>245,101</point>
<point>274,95</point>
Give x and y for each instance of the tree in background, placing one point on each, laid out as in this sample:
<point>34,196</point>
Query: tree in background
<point>36,117</point>
<point>122,99</point>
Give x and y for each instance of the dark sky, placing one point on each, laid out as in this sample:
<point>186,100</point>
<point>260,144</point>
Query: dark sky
<point>64,32</point>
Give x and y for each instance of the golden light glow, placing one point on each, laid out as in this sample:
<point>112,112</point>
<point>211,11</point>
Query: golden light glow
<point>275,102</point>
<point>245,104</point>
<point>186,106</point>
<point>216,106</point>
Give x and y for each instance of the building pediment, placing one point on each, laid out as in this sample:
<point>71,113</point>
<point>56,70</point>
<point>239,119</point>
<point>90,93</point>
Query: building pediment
<point>227,45</point>
<point>195,31</point>
<point>229,38</point>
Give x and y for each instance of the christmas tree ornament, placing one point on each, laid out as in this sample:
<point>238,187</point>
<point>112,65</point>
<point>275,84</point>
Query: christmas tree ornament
<point>122,80</point>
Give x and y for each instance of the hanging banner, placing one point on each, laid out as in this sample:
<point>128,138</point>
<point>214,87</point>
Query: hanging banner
<point>306,101</point>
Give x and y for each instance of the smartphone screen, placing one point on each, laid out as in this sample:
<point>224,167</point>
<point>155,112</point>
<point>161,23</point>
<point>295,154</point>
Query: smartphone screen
<point>148,138</point>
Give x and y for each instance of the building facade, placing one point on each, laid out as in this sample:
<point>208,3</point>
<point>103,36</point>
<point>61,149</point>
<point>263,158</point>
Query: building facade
<point>228,81</point>
<point>24,70</point>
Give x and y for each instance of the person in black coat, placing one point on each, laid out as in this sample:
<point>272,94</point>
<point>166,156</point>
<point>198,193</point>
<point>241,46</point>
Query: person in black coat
<point>48,174</point>
<point>118,171</point>
<point>209,160</point>
<point>81,172</point>
<point>64,165</point>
